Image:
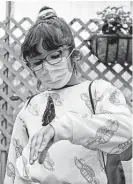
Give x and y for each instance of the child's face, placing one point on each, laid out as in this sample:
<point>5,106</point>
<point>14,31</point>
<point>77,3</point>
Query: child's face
<point>53,68</point>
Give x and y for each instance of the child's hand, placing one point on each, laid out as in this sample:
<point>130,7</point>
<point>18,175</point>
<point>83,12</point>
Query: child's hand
<point>40,143</point>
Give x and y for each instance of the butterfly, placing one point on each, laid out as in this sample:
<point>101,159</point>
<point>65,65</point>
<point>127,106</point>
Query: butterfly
<point>49,113</point>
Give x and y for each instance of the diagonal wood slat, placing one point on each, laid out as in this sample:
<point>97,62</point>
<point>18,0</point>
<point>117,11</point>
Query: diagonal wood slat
<point>21,83</point>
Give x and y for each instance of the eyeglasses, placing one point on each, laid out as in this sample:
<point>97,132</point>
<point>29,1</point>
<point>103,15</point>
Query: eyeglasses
<point>52,58</point>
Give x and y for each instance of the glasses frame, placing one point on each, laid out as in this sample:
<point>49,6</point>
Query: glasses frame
<point>63,48</point>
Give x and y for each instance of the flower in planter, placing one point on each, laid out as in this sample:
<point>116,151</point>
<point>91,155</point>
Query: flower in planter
<point>112,48</point>
<point>116,20</point>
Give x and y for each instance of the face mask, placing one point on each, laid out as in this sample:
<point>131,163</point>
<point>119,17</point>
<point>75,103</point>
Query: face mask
<point>56,76</point>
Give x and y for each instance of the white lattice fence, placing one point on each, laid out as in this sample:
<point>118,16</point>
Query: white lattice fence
<point>17,82</point>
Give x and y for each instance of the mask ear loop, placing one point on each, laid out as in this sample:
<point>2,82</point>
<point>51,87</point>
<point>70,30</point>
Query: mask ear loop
<point>77,56</point>
<point>38,86</point>
<point>70,54</point>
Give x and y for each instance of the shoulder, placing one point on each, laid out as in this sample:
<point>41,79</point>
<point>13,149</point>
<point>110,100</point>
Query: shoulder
<point>102,85</point>
<point>84,84</point>
<point>35,100</point>
<point>97,84</point>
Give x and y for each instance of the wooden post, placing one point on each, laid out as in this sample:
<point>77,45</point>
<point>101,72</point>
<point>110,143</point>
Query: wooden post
<point>5,89</point>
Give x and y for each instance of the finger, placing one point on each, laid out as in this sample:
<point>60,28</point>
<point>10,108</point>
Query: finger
<point>32,147</point>
<point>42,156</point>
<point>37,146</point>
<point>46,143</point>
<point>46,139</point>
<point>43,153</point>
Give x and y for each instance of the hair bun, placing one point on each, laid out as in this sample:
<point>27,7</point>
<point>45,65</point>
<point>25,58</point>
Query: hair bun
<point>46,13</point>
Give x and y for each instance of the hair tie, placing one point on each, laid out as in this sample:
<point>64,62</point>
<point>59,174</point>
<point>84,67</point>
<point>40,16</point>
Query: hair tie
<point>47,13</point>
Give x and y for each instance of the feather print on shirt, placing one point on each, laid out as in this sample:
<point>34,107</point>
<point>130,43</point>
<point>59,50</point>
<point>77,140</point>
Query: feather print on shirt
<point>86,171</point>
<point>11,170</point>
<point>33,109</point>
<point>85,97</point>
<point>114,98</point>
<point>49,163</point>
<point>121,147</point>
<point>18,147</point>
<point>103,134</point>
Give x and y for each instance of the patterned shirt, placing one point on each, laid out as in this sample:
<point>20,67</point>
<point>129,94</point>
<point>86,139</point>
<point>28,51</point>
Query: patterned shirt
<point>81,160</point>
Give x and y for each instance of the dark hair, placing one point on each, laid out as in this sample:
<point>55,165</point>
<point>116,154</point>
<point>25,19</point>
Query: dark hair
<point>54,31</point>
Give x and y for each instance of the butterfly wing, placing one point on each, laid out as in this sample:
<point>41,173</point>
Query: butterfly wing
<point>49,113</point>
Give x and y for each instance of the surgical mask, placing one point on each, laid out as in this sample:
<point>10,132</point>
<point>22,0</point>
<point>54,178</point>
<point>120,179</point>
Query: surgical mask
<point>56,76</point>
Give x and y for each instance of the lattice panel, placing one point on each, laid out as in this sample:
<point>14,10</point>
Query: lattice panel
<point>16,81</point>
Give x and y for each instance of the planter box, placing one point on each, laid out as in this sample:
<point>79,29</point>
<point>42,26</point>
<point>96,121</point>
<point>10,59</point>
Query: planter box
<point>112,48</point>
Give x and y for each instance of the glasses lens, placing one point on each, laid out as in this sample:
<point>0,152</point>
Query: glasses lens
<point>54,57</point>
<point>38,67</point>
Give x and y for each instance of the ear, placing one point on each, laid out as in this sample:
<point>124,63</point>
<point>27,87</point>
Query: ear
<point>76,56</point>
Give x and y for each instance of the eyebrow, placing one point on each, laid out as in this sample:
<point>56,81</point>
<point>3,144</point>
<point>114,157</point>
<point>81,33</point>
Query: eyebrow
<point>39,62</point>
